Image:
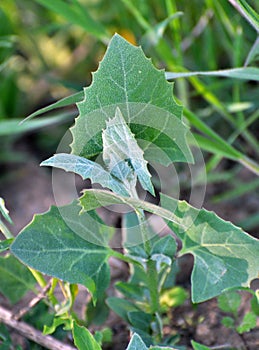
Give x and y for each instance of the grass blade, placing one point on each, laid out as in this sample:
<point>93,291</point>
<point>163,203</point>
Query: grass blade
<point>247,12</point>
<point>246,73</point>
<point>14,126</point>
<point>75,14</point>
<point>66,101</point>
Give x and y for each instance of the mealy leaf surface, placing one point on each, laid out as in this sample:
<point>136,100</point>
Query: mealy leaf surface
<point>55,245</point>
<point>224,255</point>
<point>122,154</point>
<point>87,169</point>
<point>128,80</point>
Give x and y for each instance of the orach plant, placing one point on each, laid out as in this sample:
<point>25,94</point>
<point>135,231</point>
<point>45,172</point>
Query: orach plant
<point>128,119</point>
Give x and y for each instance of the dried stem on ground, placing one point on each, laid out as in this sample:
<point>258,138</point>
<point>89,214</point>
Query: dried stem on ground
<point>31,333</point>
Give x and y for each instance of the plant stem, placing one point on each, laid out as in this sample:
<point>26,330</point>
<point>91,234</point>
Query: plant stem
<point>152,283</point>
<point>39,277</point>
<point>31,333</point>
<point>152,275</point>
<point>144,231</point>
<point>7,233</point>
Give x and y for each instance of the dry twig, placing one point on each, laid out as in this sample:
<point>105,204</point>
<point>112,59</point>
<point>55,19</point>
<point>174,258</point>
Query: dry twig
<point>31,333</point>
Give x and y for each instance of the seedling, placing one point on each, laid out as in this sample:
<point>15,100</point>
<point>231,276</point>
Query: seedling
<point>230,303</point>
<point>129,119</point>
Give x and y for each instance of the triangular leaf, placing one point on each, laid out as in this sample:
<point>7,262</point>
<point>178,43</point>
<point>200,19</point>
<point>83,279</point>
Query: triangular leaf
<point>52,243</point>
<point>224,255</point>
<point>122,154</point>
<point>87,170</point>
<point>136,343</point>
<point>128,80</point>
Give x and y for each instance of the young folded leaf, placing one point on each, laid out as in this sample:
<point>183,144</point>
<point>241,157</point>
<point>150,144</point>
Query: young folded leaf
<point>123,156</point>
<point>87,170</point>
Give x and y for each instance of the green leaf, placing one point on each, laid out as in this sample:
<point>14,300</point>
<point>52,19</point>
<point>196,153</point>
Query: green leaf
<point>76,14</point>
<point>5,245</point>
<point>16,127</point>
<point>87,169</point>
<point>140,320</point>
<point>132,234</point>
<point>228,322</point>
<point>136,343</point>
<point>155,33</point>
<point>57,321</point>
<point>247,12</point>
<point>123,156</point>
<point>83,339</point>
<point>16,278</point>
<point>229,302</point>
<point>161,261</point>
<point>121,307</point>
<point>255,304</point>
<point>218,144</point>
<point>171,277</point>
<point>253,53</point>
<point>128,80</point>
<point>166,246</point>
<point>104,336</point>
<point>5,339</point>
<point>224,255</point>
<point>66,101</point>
<point>98,313</point>
<point>162,348</point>
<point>246,73</point>
<point>197,346</point>
<point>130,290</point>
<point>58,243</point>
<point>248,323</point>
<point>145,337</point>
